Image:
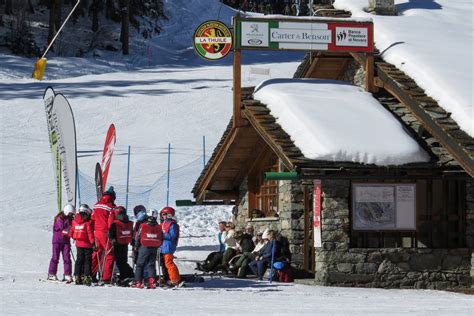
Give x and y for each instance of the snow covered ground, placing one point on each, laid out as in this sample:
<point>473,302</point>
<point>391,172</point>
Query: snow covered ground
<point>163,103</point>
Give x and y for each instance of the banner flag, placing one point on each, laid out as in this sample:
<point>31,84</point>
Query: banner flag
<point>63,121</point>
<point>48,98</point>
<point>107,154</point>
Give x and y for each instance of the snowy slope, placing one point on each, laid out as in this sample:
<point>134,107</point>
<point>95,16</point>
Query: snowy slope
<point>432,42</point>
<point>176,100</point>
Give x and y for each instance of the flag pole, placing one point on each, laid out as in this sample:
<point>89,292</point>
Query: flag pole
<point>128,178</point>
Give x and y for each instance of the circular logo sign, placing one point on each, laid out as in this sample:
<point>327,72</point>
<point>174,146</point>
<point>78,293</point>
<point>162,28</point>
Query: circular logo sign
<point>212,40</point>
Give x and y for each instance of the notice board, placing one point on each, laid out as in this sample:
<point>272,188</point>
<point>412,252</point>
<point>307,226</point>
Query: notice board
<point>380,207</point>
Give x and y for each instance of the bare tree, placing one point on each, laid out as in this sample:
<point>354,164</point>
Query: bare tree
<point>125,12</point>
<point>95,7</point>
<point>8,7</point>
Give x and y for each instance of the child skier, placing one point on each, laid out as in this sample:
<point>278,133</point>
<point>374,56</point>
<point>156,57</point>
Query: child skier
<point>170,242</point>
<point>120,234</point>
<point>83,233</point>
<point>149,239</point>
<point>62,243</point>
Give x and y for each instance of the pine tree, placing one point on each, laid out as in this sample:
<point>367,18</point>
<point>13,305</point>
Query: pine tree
<point>125,12</point>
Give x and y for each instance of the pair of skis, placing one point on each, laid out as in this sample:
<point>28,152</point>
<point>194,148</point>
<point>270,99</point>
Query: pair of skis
<point>102,174</point>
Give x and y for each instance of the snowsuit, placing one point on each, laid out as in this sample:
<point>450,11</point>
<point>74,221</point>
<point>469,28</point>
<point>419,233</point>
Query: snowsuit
<point>168,248</point>
<point>100,217</point>
<point>120,234</point>
<point>82,232</point>
<point>150,238</point>
<point>61,244</point>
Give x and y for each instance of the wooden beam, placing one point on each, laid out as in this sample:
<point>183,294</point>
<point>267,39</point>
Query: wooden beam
<point>221,195</point>
<point>269,140</point>
<point>237,87</point>
<point>369,73</point>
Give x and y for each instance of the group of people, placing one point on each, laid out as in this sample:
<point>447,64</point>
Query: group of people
<point>102,236</point>
<point>284,7</point>
<point>241,253</point>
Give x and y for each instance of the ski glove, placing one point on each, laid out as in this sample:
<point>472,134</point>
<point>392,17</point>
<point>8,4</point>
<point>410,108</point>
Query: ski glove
<point>94,247</point>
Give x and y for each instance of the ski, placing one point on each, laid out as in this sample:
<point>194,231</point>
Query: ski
<point>98,181</point>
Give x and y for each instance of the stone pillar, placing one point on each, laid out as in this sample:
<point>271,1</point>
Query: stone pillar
<point>382,7</point>
<point>330,258</point>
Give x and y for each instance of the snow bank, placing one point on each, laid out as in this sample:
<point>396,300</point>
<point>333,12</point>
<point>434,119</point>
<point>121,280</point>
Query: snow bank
<point>431,41</point>
<point>334,121</point>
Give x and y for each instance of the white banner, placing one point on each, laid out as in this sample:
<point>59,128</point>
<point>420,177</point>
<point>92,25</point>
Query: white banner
<point>63,121</point>
<point>48,98</point>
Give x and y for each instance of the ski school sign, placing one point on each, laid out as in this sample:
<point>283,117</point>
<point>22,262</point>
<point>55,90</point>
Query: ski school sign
<point>212,40</point>
<point>308,34</point>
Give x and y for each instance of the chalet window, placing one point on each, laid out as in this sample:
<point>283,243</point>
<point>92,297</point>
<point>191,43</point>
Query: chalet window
<point>263,195</point>
<point>440,219</point>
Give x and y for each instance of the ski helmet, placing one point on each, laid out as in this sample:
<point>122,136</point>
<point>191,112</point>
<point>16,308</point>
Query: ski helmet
<point>69,209</point>
<point>152,213</point>
<point>84,208</point>
<point>167,211</point>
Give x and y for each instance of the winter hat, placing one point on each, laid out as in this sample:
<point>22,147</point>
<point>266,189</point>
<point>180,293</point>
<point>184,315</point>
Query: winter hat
<point>137,209</point>
<point>110,192</point>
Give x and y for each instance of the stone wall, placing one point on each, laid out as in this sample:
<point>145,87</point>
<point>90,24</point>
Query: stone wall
<point>338,264</point>
<point>470,223</point>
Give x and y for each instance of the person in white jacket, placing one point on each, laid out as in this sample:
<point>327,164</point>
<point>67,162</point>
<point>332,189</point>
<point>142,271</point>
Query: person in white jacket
<point>230,246</point>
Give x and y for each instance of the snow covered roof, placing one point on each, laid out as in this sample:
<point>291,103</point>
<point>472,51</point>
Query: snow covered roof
<point>430,41</point>
<point>334,121</point>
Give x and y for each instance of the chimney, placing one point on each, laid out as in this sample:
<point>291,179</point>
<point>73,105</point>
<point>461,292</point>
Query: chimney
<point>382,7</point>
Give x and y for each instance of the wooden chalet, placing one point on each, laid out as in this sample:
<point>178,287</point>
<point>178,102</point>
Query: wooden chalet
<point>436,253</point>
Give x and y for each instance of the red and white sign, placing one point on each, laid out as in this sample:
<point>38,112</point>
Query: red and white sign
<point>317,213</point>
<point>107,154</point>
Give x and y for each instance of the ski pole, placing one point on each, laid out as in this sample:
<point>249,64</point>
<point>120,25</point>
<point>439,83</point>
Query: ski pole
<point>72,254</point>
<point>159,266</point>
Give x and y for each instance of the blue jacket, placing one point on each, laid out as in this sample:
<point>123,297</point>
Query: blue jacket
<point>266,251</point>
<point>170,239</point>
<point>221,244</point>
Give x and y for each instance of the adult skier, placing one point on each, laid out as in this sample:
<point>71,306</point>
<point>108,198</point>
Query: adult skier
<point>102,251</point>
<point>149,239</point>
<point>62,243</point>
<point>120,235</point>
<point>83,233</point>
<point>170,242</point>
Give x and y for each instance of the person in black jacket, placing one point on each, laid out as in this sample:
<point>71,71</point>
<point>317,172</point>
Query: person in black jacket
<point>120,234</point>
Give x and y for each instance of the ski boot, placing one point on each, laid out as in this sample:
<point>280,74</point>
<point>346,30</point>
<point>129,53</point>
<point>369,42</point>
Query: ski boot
<point>137,285</point>
<point>67,279</point>
<point>151,283</point>
<point>77,280</point>
<point>87,280</point>
<point>52,277</point>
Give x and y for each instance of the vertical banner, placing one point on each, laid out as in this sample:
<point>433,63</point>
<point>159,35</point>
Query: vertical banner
<point>63,121</point>
<point>107,154</point>
<point>317,213</point>
<point>48,98</point>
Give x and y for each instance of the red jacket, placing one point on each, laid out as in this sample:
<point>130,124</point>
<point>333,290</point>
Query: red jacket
<point>82,232</point>
<point>101,213</point>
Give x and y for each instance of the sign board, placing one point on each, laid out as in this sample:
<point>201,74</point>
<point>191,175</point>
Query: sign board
<point>212,40</point>
<point>384,207</point>
<point>317,213</point>
<point>299,34</point>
